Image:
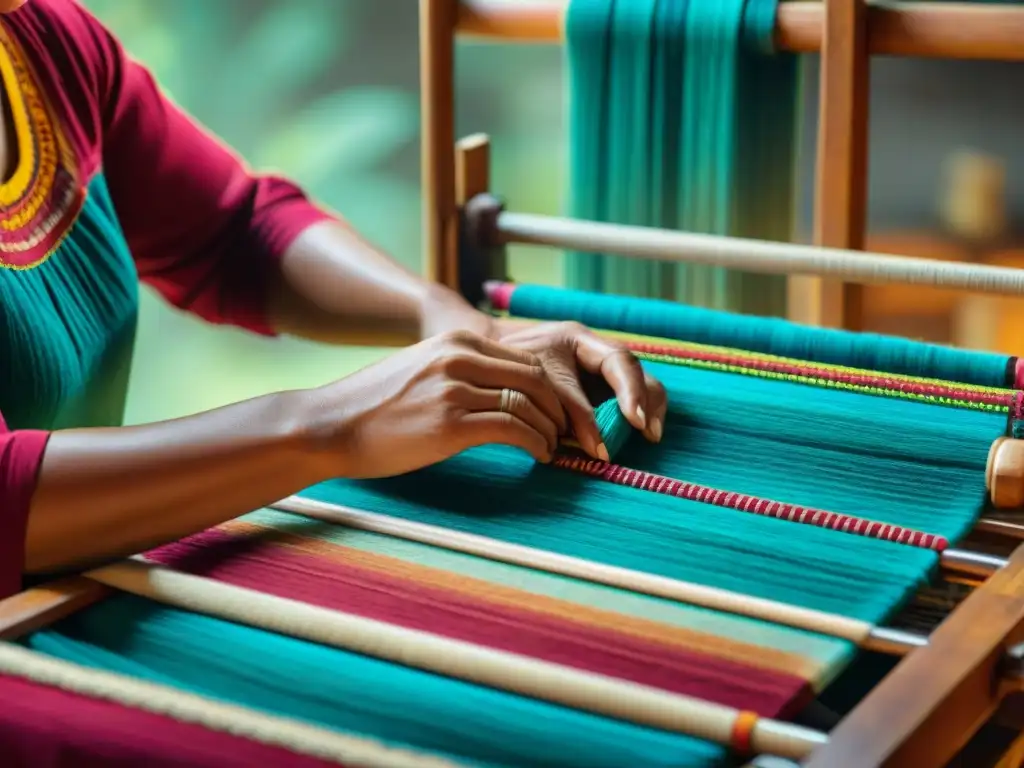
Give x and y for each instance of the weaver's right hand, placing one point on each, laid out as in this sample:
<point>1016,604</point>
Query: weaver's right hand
<point>433,400</point>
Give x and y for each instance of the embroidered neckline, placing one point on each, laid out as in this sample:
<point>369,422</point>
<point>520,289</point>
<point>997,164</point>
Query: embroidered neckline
<point>43,197</point>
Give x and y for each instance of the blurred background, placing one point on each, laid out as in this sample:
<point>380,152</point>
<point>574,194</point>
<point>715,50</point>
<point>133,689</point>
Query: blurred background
<point>326,91</point>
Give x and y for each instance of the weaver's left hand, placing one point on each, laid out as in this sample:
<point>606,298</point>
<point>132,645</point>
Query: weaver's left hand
<point>566,349</point>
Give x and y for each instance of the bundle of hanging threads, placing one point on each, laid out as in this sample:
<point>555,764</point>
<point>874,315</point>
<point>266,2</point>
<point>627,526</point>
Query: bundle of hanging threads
<point>682,116</point>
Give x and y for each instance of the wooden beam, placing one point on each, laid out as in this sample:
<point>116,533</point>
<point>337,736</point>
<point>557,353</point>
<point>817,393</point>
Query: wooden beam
<point>37,608</point>
<point>975,31</point>
<point>437,104</point>
<point>924,712</point>
<point>840,193</point>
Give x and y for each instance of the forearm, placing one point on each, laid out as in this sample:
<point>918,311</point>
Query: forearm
<point>338,288</point>
<point>105,493</point>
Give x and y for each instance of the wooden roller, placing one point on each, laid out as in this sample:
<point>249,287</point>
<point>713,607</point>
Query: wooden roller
<point>1004,474</point>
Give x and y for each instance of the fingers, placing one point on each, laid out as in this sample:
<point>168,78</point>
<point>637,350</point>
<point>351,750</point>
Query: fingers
<point>565,381</point>
<point>624,374</point>
<point>489,427</point>
<point>531,380</point>
<point>657,402</point>
<point>515,403</point>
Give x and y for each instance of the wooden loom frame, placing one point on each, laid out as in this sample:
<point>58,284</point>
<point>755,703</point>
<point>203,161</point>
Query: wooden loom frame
<point>938,697</point>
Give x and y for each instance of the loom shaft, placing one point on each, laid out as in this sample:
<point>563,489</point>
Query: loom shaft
<point>918,29</point>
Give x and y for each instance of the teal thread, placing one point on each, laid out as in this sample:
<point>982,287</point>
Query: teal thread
<point>669,320</point>
<point>681,116</point>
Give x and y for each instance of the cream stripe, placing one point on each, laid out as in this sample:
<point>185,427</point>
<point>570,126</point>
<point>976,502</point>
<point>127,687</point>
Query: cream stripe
<point>525,676</point>
<point>317,743</point>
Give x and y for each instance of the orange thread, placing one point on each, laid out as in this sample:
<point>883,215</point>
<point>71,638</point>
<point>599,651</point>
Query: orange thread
<point>743,731</point>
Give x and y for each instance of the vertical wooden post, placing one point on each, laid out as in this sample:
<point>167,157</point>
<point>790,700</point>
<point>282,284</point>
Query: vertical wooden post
<point>840,198</point>
<point>480,257</point>
<point>472,167</point>
<point>437,119</point>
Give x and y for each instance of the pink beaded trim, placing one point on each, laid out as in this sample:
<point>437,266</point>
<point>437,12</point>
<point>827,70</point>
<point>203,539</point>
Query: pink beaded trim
<point>647,481</point>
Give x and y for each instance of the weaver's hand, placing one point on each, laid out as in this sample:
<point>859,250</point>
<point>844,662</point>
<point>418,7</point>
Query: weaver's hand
<point>564,349</point>
<point>433,400</point>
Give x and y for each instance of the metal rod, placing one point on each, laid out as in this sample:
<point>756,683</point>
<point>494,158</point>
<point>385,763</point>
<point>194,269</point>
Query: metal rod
<point>894,642</point>
<point>755,255</point>
<point>973,564</point>
<point>964,31</point>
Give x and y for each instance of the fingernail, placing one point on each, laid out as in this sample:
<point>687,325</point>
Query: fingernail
<point>602,453</point>
<point>642,416</point>
<point>656,429</point>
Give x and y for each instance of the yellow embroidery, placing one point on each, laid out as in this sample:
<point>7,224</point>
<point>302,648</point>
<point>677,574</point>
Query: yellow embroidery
<point>44,193</point>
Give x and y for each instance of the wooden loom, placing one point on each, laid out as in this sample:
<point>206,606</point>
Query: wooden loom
<point>917,716</point>
<point>969,671</point>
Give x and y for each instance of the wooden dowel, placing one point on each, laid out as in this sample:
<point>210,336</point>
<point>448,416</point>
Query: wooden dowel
<point>1004,473</point>
<point>1007,529</point>
<point>328,746</point>
<point>721,600</point>
<point>956,561</point>
<point>974,31</point>
<point>760,256</point>
<point>456,659</point>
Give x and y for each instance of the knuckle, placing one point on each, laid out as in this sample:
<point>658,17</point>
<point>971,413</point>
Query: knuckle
<point>535,373</point>
<point>573,328</point>
<point>452,393</point>
<point>458,338</point>
<point>451,362</point>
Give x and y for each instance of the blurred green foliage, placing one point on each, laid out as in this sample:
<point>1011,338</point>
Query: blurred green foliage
<point>326,92</point>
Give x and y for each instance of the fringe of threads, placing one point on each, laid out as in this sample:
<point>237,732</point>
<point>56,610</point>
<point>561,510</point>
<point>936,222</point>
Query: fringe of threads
<point>647,481</point>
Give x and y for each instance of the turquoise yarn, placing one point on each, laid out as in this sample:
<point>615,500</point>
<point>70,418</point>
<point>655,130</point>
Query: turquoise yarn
<point>791,442</point>
<point>353,693</point>
<point>829,449</point>
<point>669,320</point>
<point>681,116</point>
<point>615,430</point>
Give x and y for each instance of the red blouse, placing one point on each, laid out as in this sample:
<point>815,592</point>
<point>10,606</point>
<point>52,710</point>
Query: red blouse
<point>204,230</point>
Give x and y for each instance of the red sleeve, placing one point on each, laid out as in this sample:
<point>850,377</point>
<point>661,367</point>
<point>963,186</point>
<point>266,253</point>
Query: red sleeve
<point>21,453</point>
<point>205,231</point>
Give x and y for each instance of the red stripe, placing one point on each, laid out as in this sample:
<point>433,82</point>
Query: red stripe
<point>647,481</point>
<point>921,389</point>
<point>45,727</point>
<point>250,562</point>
